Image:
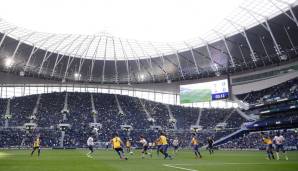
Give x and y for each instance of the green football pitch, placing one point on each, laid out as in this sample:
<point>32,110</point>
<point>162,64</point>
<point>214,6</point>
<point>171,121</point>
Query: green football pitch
<point>76,160</point>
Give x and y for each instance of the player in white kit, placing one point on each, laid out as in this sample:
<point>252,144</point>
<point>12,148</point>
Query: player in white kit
<point>279,141</point>
<point>145,147</point>
<point>90,144</point>
<point>175,145</point>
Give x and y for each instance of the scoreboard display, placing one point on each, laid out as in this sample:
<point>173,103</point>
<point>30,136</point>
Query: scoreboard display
<point>204,92</point>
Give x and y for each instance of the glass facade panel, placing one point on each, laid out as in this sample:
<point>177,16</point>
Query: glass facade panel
<point>174,99</point>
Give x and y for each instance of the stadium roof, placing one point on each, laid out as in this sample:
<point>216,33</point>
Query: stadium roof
<point>103,46</point>
<point>258,33</point>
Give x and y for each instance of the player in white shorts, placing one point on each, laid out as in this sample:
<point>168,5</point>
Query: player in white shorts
<point>90,144</point>
<point>145,147</point>
<point>279,142</point>
<point>175,145</point>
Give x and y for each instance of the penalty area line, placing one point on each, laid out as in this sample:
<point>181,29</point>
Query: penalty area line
<point>176,166</point>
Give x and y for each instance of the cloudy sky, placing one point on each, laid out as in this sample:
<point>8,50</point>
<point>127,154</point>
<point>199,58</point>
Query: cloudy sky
<point>152,20</point>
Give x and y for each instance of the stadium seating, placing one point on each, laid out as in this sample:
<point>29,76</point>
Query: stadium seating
<point>114,111</point>
<point>254,141</point>
<point>21,109</point>
<point>3,103</point>
<point>288,89</point>
<point>49,110</point>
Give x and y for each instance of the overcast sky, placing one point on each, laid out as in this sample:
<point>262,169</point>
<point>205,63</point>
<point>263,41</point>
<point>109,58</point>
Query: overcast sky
<point>152,20</point>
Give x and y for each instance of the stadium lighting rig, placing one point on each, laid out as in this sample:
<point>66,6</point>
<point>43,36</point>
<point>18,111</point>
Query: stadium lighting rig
<point>8,62</point>
<point>141,77</point>
<point>77,76</point>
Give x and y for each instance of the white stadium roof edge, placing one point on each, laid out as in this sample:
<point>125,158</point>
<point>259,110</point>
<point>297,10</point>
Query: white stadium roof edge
<point>106,47</point>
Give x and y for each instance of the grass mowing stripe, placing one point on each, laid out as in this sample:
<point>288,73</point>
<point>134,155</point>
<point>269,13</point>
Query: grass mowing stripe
<point>76,160</point>
<point>176,167</point>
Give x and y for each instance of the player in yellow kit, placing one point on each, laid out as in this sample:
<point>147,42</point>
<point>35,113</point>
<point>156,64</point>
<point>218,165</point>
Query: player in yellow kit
<point>195,146</point>
<point>117,146</point>
<point>164,146</point>
<point>128,145</point>
<point>269,147</point>
<point>158,146</point>
<point>36,146</point>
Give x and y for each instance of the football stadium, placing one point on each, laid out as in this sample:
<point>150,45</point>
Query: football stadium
<point>139,85</point>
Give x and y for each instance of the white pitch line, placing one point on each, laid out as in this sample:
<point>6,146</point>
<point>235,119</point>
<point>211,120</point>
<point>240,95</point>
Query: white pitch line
<point>244,163</point>
<point>181,168</point>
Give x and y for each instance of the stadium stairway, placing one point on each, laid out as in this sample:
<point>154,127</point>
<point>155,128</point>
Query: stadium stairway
<point>172,116</point>
<point>253,126</point>
<point>231,136</point>
<point>149,117</point>
<point>245,116</point>
<point>7,113</point>
<point>119,106</point>
<point>94,111</point>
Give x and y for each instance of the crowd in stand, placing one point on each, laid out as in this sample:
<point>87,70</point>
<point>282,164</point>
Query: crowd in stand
<point>134,114</point>
<point>79,115</point>
<point>254,140</point>
<point>112,111</point>
<point>186,115</point>
<point>159,112</point>
<point>288,89</point>
<point>49,109</point>
<point>3,103</point>
<point>21,109</point>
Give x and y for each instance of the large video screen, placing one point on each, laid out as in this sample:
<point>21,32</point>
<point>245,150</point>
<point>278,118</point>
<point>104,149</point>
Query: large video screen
<point>204,92</point>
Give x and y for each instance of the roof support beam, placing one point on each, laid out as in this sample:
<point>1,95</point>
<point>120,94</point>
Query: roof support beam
<point>214,67</point>
<point>214,63</point>
<point>57,61</point>
<point>290,40</point>
<point>163,62</point>
<point>5,34</point>
<point>267,27</point>
<point>164,68</point>
<point>242,55</point>
<point>30,56</point>
<point>291,17</point>
<point>204,56</point>
<point>243,33</point>
<point>135,56</point>
<point>127,64</point>
<point>2,40</point>
<point>252,53</point>
<point>178,60</point>
<point>20,42</point>
<point>151,66</point>
<point>149,61</point>
<point>35,49</point>
<point>193,58</point>
<point>277,48</point>
<point>115,63</point>
<point>227,47</point>
<point>179,64</point>
<point>52,51</point>
<point>43,61</point>
<point>265,50</point>
<point>82,59</point>
<point>138,60</point>
<point>70,61</point>
<point>229,52</point>
<point>16,49</point>
<point>93,59</point>
<point>104,62</point>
